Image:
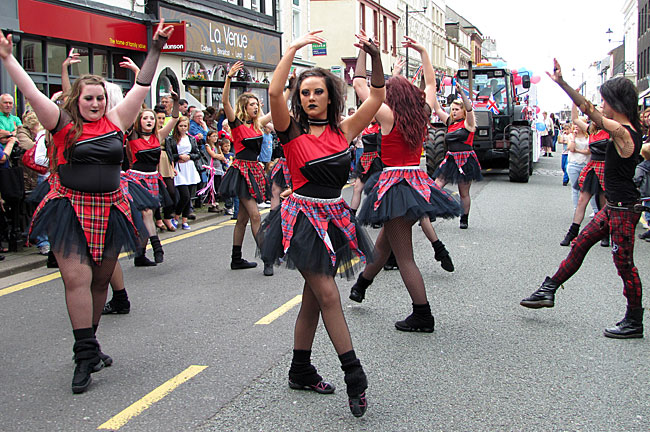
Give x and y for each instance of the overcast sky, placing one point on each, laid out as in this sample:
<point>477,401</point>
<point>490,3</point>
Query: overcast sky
<point>530,34</point>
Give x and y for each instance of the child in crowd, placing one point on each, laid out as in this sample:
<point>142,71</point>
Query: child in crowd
<point>215,170</point>
<point>232,204</point>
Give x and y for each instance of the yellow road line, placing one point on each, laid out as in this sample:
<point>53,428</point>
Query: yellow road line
<point>157,394</point>
<point>280,311</point>
<point>30,283</point>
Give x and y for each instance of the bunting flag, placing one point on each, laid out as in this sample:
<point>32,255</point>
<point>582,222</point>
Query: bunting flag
<point>492,105</point>
<point>417,73</point>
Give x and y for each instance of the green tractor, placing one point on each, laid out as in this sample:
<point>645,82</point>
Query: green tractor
<point>503,134</point>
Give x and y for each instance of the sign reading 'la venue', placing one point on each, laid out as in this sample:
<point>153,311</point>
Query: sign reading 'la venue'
<point>217,38</point>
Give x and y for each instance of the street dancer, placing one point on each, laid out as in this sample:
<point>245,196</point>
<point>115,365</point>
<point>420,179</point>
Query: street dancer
<point>460,165</point>
<point>245,177</point>
<point>85,215</point>
<point>314,228</point>
<point>620,119</point>
<point>404,193</point>
<point>591,182</point>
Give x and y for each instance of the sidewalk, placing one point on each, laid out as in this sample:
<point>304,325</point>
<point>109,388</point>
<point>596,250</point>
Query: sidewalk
<point>29,258</point>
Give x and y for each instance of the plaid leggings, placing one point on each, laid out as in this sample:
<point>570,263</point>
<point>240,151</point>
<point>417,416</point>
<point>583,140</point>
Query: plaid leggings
<point>621,224</point>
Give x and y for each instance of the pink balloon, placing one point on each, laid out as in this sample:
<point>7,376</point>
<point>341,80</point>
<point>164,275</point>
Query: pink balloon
<point>536,79</point>
<point>515,72</point>
<point>517,80</point>
<point>447,81</point>
<point>537,110</point>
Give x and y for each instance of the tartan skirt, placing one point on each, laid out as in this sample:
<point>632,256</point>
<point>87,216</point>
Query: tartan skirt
<point>90,225</point>
<point>405,192</point>
<point>592,178</point>
<point>459,167</point>
<point>280,174</point>
<point>370,163</point>
<point>244,179</point>
<point>153,183</point>
<point>315,235</point>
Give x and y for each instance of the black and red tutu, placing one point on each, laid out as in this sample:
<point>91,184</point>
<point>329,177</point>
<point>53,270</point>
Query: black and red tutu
<point>592,178</point>
<point>459,167</point>
<point>315,235</point>
<point>153,183</point>
<point>244,179</point>
<point>280,174</point>
<point>90,225</point>
<point>405,192</point>
<point>370,163</point>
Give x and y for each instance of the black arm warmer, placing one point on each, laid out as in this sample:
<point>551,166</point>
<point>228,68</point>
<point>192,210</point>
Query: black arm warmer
<point>148,69</point>
<point>377,77</point>
<point>360,67</point>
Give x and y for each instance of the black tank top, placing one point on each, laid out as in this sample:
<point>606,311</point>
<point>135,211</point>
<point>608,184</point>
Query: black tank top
<point>619,172</point>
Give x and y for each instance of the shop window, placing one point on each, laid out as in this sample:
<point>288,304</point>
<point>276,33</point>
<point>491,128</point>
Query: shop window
<point>33,56</point>
<point>296,2</point>
<point>119,72</point>
<point>295,24</point>
<point>166,81</point>
<point>55,56</point>
<point>100,63</point>
<point>82,67</point>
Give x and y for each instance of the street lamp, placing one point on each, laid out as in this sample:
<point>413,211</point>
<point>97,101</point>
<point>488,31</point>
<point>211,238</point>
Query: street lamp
<point>583,83</point>
<point>424,9</point>
<point>609,33</point>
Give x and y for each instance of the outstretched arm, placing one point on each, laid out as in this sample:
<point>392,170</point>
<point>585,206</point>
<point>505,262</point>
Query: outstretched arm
<point>430,89</point>
<point>46,110</point>
<point>72,58</point>
<point>576,120</point>
<point>620,135</point>
<point>353,125</point>
<point>384,115</point>
<point>166,129</point>
<point>227,106</point>
<point>470,119</point>
<point>277,102</point>
<point>124,114</point>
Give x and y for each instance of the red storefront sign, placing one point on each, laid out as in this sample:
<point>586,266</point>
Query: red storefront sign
<point>176,42</point>
<point>55,21</point>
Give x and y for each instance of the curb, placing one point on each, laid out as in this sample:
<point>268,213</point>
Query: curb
<point>35,261</point>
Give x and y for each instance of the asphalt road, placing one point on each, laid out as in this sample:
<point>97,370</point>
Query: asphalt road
<point>490,365</point>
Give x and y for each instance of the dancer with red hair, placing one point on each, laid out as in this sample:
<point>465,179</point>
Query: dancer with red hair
<point>404,193</point>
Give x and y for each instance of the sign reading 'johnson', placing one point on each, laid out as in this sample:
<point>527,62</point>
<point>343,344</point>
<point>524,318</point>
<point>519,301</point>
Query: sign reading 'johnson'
<point>211,37</point>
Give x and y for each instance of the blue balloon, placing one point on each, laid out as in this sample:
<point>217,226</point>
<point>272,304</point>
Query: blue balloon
<point>500,64</point>
<point>522,70</point>
<point>540,126</point>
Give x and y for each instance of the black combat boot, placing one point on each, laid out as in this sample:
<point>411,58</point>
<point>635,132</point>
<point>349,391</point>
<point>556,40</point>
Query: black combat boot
<point>303,375</point>
<point>543,297</point>
<point>464,223</point>
<point>629,327</point>
<point>141,259</point>
<point>88,361</point>
<point>421,320</point>
<point>574,229</point>
<point>119,304</point>
<point>358,290</point>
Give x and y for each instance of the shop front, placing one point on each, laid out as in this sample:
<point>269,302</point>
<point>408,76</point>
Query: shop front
<point>102,41</point>
<point>200,53</point>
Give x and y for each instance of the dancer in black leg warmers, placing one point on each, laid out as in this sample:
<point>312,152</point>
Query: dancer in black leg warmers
<point>314,228</point>
<point>85,215</point>
<point>460,165</point>
<point>245,178</point>
<point>404,194</point>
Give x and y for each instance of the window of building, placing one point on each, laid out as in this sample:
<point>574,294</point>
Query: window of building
<point>296,2</point>
<point>362,13</point>
<point>33,56</point>
<point>82,67</point>
<point>100,63</point>
<point>295,24</point>
<point>385,34</point>
<point>394,38</point>
<point>375,24</point>
<point>255,5</point>
<point>55,56</point>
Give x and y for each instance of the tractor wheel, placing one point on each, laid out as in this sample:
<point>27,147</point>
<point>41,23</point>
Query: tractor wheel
<point>435,149</point>
<point>520,154</point>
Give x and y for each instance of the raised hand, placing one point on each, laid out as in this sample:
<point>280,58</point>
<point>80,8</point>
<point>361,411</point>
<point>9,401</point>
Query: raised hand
<point>557,72</point>
<point>6,46</point>
<point>409,42</point>
<point>174,95</point>
<point>310,38</point>
<point>366,44</point>
<point>163,32</point>
<point>235,68</point>
<point>129,64</point>
<point>399,65</point>
<point>72,58</point>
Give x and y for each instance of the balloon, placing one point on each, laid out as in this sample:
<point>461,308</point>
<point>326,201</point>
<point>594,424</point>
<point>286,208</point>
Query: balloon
<point>540,126</point>
<point>537,110</point>
<point>500,64</point>
<point>536,79</point>
<point>514,72</point>
<point>522,70</point>
<point>517,80</point>
<point>447,81</point>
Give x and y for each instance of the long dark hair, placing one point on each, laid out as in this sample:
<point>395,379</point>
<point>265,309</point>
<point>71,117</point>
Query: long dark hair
<point>334,91</point>
<point>623,97</point>
<point>408,105</point>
